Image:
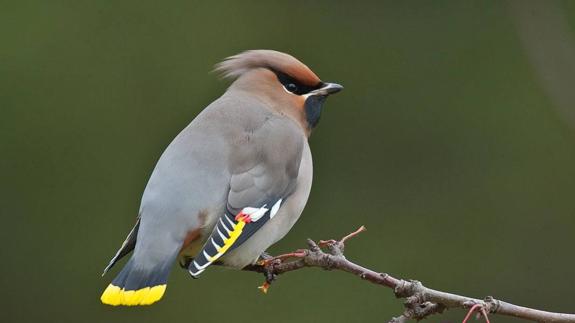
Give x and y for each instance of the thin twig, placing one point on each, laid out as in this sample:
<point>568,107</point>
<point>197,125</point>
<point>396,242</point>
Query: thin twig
<point>353,234</point>
<point>476,307</point>
<point>420,301</point>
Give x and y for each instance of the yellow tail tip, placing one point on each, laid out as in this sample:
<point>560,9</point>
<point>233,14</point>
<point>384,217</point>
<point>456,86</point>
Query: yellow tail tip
<point>114,295</point>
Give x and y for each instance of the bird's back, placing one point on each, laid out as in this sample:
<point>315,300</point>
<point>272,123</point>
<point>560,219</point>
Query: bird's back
<point>193,174</point>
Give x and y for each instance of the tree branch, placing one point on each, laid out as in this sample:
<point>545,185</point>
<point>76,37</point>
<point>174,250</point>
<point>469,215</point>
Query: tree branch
<point>420,301</point>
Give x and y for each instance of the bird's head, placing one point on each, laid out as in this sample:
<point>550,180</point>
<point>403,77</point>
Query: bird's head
<point>284,83</point>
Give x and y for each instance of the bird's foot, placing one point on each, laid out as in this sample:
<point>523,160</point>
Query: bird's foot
<point>264,256</point>
<point>271,267</point>
<point>270,261</point>
<point>264,287</point>
<point>267,264</point>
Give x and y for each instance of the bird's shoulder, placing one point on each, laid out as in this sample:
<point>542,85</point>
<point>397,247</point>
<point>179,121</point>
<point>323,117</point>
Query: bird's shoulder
<point>250,129</point>
<point>239,110</point>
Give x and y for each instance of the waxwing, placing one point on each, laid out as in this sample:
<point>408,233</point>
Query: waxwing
<point>232,183</point>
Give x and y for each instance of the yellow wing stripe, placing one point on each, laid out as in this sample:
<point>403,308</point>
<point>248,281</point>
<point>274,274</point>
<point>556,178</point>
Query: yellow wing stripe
<point>114,295</point>
<point>234,235</point>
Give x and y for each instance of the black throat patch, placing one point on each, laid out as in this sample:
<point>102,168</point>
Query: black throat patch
<point>313,106</point>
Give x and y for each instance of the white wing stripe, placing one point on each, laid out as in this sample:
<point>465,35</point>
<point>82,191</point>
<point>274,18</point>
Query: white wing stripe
<point>249,210</point>
<point>221,235</point>
<point>229,221</point>
<point>258,214</point>
<point>215,245</point>
<point>197,273</point>
<point>201,267</point>
<point>275,208</point>
<point>225,228</point>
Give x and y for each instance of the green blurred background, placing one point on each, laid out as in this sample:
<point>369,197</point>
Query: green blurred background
<point>451,143</point>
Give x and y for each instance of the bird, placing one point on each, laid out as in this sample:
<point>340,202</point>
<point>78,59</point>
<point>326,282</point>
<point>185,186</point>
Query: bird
<point>232,183</point>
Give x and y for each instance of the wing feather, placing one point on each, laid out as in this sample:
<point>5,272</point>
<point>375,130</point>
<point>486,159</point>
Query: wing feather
<point>264,167</point>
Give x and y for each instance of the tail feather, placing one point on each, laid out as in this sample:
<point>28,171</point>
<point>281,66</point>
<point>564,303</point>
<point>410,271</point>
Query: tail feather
<point>114,295</point>
<point>126,247</point>
<point>137,286</point>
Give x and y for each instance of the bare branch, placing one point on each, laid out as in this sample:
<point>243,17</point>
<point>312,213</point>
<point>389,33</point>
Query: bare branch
<point>420,301</point>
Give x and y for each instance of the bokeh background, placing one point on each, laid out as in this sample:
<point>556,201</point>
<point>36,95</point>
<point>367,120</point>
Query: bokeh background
<point>453,142</point>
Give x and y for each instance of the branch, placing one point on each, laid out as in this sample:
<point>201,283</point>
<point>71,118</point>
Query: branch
<point>420,301</point>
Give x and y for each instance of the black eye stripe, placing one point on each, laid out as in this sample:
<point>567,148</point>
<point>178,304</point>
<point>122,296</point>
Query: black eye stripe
<point>294,86</point>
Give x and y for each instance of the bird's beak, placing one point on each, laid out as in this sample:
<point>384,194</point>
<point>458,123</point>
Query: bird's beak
<point>327,89</point>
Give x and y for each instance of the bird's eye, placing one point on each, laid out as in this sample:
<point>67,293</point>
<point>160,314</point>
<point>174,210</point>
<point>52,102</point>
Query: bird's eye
<point>291,87</point>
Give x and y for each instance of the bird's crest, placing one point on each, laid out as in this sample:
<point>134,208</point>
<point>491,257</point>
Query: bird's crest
<point>234,66</point>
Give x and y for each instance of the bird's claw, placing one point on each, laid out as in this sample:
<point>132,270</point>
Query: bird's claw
<point>271,261</point>
<point>268,264</point>
<point>264,287</point>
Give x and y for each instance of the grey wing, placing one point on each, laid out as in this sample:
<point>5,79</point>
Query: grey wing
<point>265,167</point>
